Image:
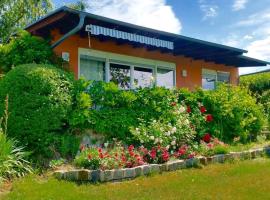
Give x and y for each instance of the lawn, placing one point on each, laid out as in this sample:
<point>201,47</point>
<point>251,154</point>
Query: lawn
<point>239,180</point>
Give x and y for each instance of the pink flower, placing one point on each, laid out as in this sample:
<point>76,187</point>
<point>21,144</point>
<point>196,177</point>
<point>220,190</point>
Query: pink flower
<point>131,148</point>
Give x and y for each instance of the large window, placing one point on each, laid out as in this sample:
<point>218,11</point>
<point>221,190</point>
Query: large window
<point>92,69</point>
<point>120,75</point>
<point>143,77</point>
<point>211,77</point>
<point>165,77</point>
<point>126,71</point>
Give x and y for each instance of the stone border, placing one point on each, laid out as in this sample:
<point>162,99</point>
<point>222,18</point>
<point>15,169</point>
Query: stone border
<point>86,175</point>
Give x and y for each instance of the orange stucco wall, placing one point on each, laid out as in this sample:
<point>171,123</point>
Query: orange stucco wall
<point>193,67</point>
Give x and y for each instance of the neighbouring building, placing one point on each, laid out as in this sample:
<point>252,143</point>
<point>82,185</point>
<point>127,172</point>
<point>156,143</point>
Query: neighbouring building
<point>99,48</point>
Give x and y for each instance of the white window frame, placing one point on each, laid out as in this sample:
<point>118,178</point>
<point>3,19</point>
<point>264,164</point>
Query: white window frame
<point>126,60</point>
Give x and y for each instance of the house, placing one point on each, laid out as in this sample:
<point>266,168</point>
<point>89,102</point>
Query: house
<point>99,48</point>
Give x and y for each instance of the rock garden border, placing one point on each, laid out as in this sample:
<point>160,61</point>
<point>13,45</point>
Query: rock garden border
<point>85,175</point>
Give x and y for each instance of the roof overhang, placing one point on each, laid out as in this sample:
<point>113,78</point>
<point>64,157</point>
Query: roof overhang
<point>66,19</point>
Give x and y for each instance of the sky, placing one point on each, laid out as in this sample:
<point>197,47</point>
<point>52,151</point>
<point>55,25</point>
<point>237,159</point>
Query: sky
<point>239,23</point>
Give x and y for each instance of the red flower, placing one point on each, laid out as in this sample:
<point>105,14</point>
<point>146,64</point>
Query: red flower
<point>202,109</point>
<point>153,153</point>
<point>82,147</point>
<point>207,138</point>
<point>131,153</point>
<point>165,156</point>
<point>89,156</point>
<point>191,155</point>
<point>209,118</point>
<point>131,148</point>
<point>173,104</point>
<point>101,155</point>
<point>99,150</point>
<point>188,109</point>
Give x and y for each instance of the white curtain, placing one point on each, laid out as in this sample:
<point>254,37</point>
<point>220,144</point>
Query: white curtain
<point>92,69</point>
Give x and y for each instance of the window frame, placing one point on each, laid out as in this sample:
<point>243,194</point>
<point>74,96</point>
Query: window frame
<point>213,72</point>
<point>126,60</point>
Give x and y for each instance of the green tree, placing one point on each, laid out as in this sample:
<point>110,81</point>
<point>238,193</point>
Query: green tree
<point>79,5</point>
<point>16,14</point>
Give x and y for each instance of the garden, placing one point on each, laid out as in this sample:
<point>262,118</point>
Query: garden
<point>50,121</point>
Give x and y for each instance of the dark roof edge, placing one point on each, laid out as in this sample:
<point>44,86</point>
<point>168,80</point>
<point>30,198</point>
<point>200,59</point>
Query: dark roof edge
<point>176,36</point>
<point>254,59</point>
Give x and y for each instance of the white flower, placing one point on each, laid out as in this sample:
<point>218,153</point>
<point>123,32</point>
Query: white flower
<point>168,133</point>
<point>173,143</point>
<point>106,144</point>
<point>154,121</point>
<point>167,147</point>
<point>174,129</point>
<point>152,137</point>
<point>160,141</point>
<point>137,129</point>
<point>182,109</point>
<point>186,122</point>
<point>156,141</point>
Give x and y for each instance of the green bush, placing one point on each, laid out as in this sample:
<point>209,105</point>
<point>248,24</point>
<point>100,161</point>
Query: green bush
<point>259,85</point>
<point>235,113</point>
<point>115,111</point>
<point>25,48</point>
<point>40,100</point>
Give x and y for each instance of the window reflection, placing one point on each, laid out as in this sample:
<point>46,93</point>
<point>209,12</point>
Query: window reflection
<point>143,77</point>
<point>165,77</point>
<point>120,75</point>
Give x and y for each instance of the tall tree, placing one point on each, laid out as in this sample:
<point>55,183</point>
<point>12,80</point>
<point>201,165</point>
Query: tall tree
<point>16,14</point>
<point>79,5</point>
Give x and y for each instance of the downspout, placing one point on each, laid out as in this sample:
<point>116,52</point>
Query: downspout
<point>73,31</point>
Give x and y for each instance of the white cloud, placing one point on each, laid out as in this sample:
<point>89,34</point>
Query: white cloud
<point>255,19</point>
<point>209,11</point>
<point>260,48</point>
<point>248,37</point>
<point>239,5</point>
<point>149,13</point>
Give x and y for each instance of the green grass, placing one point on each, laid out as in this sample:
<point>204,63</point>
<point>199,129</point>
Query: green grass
<point>248,146</point>
<point>240,180</point>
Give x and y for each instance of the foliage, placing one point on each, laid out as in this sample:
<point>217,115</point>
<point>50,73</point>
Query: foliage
<point>213,147</point>
<point>79,5</point>
<point>117,157</point>
<point>165,134</point>
<point>16,14</point>
<point>115,110</point>
<point>259,85</point>
<point>56,163</point>
<point>235,113</point>
<point>80,115</point>
<point>40,100</point>
<point>25,48</point>
<point>13,161</point>
<point>155,155</point>
<point>232,112</point>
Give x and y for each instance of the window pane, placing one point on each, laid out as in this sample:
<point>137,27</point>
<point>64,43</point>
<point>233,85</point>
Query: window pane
<point>223,77</point>
<point>208,80</point>
<point>165,77</point>
<point>120,75</point>
<point>92,69</point>
<point>142,77</point>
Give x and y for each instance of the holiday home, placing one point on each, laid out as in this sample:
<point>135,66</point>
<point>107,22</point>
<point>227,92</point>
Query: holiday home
<point>99,48</point>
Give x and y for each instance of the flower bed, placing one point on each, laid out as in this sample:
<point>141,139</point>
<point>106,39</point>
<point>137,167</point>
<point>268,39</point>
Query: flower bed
<point>129,173</point>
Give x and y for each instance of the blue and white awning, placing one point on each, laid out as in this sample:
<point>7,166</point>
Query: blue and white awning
<point>99,30</point>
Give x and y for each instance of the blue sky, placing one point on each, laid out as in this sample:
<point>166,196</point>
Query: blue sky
<point>239,23</point>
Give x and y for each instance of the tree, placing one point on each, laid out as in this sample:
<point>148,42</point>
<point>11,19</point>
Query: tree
<point>16,14</point>
<point>25,48</point>
<point>79,5</point>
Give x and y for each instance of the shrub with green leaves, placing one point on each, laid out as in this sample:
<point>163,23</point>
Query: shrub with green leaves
<point>235,113</point>
<point>40,99</point>
<point>25,48</point>
<point>259,85</point>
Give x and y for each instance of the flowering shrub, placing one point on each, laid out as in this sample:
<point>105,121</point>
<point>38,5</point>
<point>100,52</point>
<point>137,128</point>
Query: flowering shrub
<point>166,134</point>
<point>184,152</point>
<point>118,157</point>
<point>155,155</point>
<point>212,146</point>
